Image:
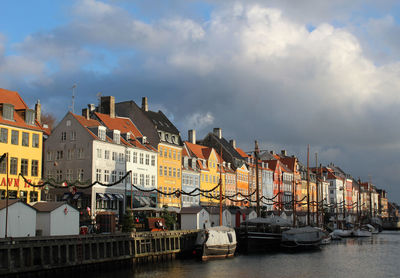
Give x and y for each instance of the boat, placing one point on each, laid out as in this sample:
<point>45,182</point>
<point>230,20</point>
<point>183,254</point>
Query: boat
<point>342,233</point>
<point>304,237</point>
<point>215,242</point>
<point>261,234</point>
<point>361,232</point>
<point>372,229</point>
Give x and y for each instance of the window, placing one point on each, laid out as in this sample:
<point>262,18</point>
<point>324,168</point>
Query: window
<point>80,175</point>
<point>169,171</point>
<point>161,150</point>
<point>169,153</point>
<point>99,153</point>
<point>160,172</point>
<point>141,158</point>
<point>4,135</point>
<point>174,154</point>
<point>106,154</point>
<point>33,196</point>
<point>35,140</point>
<point>147,180</point>
<point>80,154</point>
<point>178,156</point>
<point>153,160</point>
<point>134,158</point>
<point>153,180</point>
<point>135,180</point>
<point>166,137</point>
<point>98,175</point>
<point>34,168</point>
<point>3,166</point>
<point>121,157</point>
<point>63,136</point>
<point>73,135</point>
<point>165,152</point>
<point>113,176</point>
<point>60,155</point>
<point>141,181</point>
<point>114,156</point>
<point>59,175</point>
<point>106,176</point>
<point>147,159</point>
<point>174,172</point>
<point>128,156</point>
<point>49,174</point>
<point>120,175</point>
<point>30,117</point>
<point>102,134</point>
<point>165,171</point>
<point>70,154</point>
<point>14,137</point>
<point>49,156</point>
<point>68,175</point>
<point>8,112</point>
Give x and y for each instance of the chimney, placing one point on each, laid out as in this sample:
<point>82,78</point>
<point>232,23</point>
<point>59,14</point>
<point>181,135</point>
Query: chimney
<point>218,132</point>
<point>144,140</point>
<point>233,143</point>
<point>38,112</point>
<point>85,113</point>
<point>91,107</point>
<point>272,152</point>
<point>229,165</point>
<point>145,106</point>
<point>107,106</point>
<point>284,152</point>
<point>193,163</point>
<point>192,136</point>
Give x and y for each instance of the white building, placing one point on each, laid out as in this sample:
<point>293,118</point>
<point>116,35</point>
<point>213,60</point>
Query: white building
<point>194,218</point>
<point>56,219</point>
<point>21,220</point>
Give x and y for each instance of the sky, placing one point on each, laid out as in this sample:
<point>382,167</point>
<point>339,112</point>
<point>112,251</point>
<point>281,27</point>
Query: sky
<point>285,73</point>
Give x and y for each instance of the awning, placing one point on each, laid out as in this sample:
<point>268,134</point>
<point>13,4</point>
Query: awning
<point>119,196</point>
<point>66,196</point>
<point>77,196</point>
<point>101,196</point>
<point>110,196</point>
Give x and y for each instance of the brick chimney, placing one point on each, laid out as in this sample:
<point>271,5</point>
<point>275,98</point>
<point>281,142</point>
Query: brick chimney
<point>145,106</point>
<point>218,132</point>
<point>283,152</point>
<point>38,112</point>
<point>107,106</point>
<point>192,136</point>
<point>85,113</point>
<point>233,143</point>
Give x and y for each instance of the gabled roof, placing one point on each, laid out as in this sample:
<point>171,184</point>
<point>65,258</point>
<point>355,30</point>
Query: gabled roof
<point>10,202</point>
<point>161,122</point>
<point>198,151</point>
<point>124,125</point>
<point>86,122</point>
<point>190,210</point>
<point>242,153</point>
<point>11,97</point>
<point>47,206</point>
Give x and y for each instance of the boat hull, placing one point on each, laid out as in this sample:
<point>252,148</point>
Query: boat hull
<point>302,238</point>
<point>259,242</point>
<point>218,251</point>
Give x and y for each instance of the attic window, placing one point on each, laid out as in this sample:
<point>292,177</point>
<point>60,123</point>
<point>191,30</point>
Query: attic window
<point>102,133</point>
<point>8,112</point>
<point>30,117</point>
<point>173,139</point>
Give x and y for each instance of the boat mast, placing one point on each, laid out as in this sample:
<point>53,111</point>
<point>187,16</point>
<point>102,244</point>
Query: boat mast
<point>293,195</point>
<point>317,185</point>
<point>359,202</point>
<point>308,184</point>
<point>322,199</point>
<point>220,189</point>
<point>344,201</point>
<point>256,151</point>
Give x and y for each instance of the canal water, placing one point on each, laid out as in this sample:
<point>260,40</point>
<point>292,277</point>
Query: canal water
<point>378,256</point>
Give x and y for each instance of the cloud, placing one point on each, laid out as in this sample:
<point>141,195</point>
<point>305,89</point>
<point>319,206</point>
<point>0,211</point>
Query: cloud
<point>255,70</point>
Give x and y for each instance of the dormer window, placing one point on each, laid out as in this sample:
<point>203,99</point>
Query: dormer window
<point>102,133</point>
<point>8,112</point>
<point>30,117</point>
<point>167,137</point>
<point>116,136</point>
<point>173,138</point>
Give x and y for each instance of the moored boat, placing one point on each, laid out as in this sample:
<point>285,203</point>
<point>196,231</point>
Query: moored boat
<point>361,233</point>
<point>216,242</point>
<point>305,237</point>
<point>342,233</point>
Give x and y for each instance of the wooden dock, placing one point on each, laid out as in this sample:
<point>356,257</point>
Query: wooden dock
<point>36,254</point>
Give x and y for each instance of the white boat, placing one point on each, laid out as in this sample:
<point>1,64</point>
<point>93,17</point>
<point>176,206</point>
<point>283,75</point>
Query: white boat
<point>361,233</point>
<point>216,242</point>
<point>304,237</point>
<point>372,229</point>
<point>342,233</point>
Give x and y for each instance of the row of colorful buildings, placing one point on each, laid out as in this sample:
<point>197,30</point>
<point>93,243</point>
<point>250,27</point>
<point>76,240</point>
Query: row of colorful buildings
<point>108,140</point>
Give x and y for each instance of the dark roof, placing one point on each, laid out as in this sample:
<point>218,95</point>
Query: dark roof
<point>161,122</point>
<point>47,206</point>
<point>190,210</point>
<point>10,202</point>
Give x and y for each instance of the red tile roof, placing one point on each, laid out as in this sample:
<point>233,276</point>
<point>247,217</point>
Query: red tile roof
<point>124,125</point>
<point>198,150</point>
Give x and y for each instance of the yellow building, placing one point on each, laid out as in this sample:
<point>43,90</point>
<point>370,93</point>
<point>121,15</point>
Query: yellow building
<point>21,137</point>
<point>169,173</point>
<point>209,164</point>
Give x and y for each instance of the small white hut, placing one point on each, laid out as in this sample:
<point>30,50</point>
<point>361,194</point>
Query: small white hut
<point>194,218</point>
<point>21,220</point>
<point>56,219</point>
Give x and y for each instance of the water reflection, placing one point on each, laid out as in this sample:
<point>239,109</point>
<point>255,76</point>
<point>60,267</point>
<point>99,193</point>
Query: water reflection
<point>377,256</point>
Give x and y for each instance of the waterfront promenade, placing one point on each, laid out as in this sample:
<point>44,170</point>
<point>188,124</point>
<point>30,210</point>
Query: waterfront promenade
<point>377,256</point>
